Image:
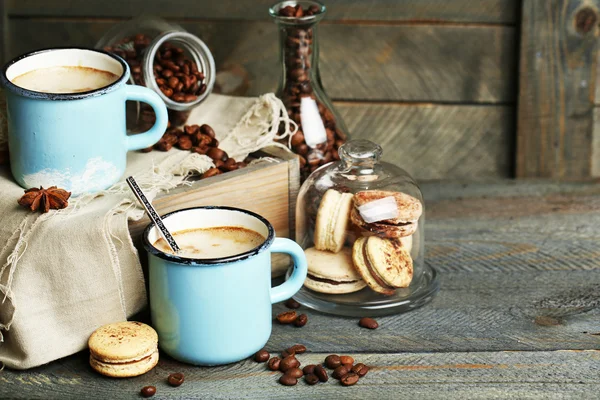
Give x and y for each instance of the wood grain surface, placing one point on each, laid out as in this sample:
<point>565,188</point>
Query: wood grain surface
<point>437,141</point>
<point>435,63</point>
<point>557,86</point>
<point>596,143</point>
<point>472,375</point>
<point>517,315</point>
<point>483,11</point>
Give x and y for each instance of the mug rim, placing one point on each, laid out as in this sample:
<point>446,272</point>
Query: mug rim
<point>62,96</point>
<point>210,261</point>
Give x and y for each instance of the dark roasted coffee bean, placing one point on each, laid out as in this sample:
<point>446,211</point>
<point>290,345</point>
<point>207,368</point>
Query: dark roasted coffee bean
<point>298,138</point>
<point>321,373</point>
<point>262,356</point>
<point>148,391</point>
<point>333,361</point>
<point>293,304</point>
<point>295,372</point>
<point>178,97</point>
<point>176,379</point>
<point>297,349</point>
<point>286,353</point>
<point>301,320</point>
<point>289,362</point>
<point>207,130</point>
<point>360,369</point>
<point>311,379</point>
<point>349,379</point>
<point>217,154</point>
<point>184,143</point>
<point>309,369</point>
<point>368,323</point>
<point>339,372</point>
<point>286,317</point>
<point>211,172</point>
<point>302,149</point>
<point>274,363</point>
<point>288,380</point>
<point>287,11</point>
<point>346,360</point>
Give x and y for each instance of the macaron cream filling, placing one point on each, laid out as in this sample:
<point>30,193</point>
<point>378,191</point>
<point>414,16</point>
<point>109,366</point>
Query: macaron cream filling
<point>330,281</point>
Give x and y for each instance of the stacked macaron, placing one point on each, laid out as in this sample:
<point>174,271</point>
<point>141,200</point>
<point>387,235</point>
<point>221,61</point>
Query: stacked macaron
<point>376,253</point>
<point>123,349</point>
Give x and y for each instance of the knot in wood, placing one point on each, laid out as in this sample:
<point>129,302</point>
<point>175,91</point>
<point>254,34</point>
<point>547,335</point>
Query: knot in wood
<point>585,20</point>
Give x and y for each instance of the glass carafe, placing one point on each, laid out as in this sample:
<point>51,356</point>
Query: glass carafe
<point>321,130</point>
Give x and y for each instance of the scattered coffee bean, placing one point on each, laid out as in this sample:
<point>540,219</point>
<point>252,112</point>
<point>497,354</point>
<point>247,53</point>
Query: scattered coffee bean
<point>176,379</point>
<point>309,369</point>
<point>311,379</point>
<point>274,363</point>
<point>148,391</point>
<point>368,323</point>
<point>346,360</point>
<point>262,356</point>
<point>286,353</point>
<point>349,379</point>
<point>288,363</point>
<point>321,373</point>
<point>339,372</point>
<point>295,372</point>
<point>333,361</point>
<point>360,369</point>
<point>301,320</point>
<point>211,172</point>
<point>288,380</point>
<point>293,304</point>
<point>297,349</point>
<point>286,317</point>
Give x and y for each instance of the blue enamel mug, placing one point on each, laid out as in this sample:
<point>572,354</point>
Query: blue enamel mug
<point>76,141</point>
<point>217,311</point>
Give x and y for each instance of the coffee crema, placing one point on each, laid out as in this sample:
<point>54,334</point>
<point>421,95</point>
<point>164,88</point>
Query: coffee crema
<point>65,79</point>
<point>214,242</point>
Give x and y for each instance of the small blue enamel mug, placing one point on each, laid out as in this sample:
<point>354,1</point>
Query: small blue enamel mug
<point>217,311</point>
<point>76,141</point>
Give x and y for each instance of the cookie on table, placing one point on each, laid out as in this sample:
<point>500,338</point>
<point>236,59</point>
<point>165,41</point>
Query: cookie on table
<point>332,220</point>
<point>123,349</point>
<point>332,273</point>
<point>404,221</point>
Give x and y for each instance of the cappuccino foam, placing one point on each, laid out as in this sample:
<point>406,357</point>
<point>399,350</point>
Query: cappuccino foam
<point>65,79</point>
<point>215,242</point>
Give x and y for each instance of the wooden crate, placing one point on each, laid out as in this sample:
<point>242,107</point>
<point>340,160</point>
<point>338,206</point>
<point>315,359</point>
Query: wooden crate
<point>269,189</point>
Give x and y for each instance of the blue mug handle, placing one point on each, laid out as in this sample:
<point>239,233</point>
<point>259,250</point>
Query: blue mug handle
<point>153,135</point>
<point>296,280</point>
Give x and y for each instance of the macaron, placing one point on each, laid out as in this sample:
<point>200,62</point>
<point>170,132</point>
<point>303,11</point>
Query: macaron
<point>384,264</point>
<point>404,219</point>
<point>332,273</point>
<point>332,220</point>
<point>123,349</point>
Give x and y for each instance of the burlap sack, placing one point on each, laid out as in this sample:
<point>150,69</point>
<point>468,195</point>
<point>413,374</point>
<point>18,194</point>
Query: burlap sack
<point>65,273</point>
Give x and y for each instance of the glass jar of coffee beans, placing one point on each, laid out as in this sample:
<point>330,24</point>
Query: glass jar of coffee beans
<point>320,129</point>
<point>164,57</point>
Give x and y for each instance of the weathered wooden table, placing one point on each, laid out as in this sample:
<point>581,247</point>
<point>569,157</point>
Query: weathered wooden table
<point>517,315</point>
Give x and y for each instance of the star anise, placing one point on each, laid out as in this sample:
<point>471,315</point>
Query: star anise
<point>45,199</point>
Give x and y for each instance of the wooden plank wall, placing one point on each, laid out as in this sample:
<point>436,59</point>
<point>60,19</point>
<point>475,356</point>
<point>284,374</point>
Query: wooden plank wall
<point>434,81</point>
<point>558,128</point>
